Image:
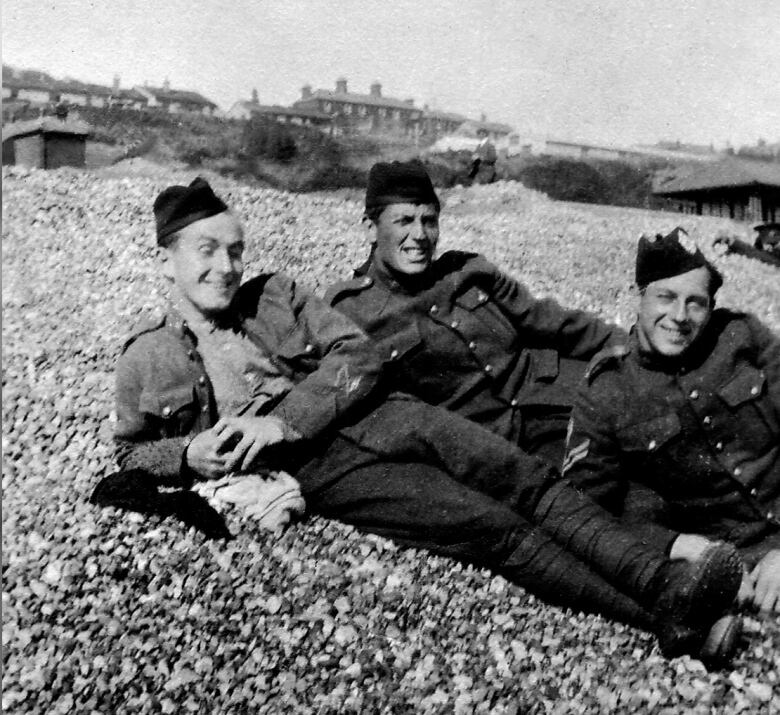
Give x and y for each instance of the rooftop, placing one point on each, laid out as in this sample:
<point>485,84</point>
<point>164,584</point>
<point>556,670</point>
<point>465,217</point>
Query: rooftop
<point>46,125</point>
<point>725,174</point>
<point>354,98</point>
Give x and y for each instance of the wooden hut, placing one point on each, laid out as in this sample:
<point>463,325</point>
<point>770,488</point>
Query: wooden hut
<point>738,189</point>
<point>45,143</point>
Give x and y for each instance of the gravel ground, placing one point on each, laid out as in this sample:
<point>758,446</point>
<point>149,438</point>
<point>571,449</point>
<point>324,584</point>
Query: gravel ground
<point>108,612</point>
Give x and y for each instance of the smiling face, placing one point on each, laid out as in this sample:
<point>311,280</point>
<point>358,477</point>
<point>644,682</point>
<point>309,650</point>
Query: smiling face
<point>673,312</point>
<point>205,263</point>
<point>406,237</point>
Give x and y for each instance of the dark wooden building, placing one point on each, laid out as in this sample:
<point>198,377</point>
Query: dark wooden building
<point>738,189</point>
<point>45,143</point>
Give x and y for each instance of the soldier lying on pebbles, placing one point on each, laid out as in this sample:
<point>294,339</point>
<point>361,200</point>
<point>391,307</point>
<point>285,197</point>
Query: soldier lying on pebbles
<point>690,409</point>
<point>239,378</point>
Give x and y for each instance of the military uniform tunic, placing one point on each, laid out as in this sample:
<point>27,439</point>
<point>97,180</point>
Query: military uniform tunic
<point>703,434</point>
<point>473,340</point>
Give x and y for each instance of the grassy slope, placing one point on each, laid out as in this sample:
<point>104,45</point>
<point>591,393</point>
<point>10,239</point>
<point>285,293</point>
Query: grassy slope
<point>104,611</point>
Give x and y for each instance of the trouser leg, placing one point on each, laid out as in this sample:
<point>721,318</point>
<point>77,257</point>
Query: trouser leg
<point>486,463</point>
<point>418,505</point>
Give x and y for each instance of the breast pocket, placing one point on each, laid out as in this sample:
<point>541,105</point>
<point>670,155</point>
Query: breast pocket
<point>174,410</point>
<point>482,318</point>
<point>650,436</point>
<point>750,409</point>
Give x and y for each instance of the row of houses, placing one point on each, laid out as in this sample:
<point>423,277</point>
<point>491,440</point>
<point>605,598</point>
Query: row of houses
<point>31,88</point>
<point>345,112</point>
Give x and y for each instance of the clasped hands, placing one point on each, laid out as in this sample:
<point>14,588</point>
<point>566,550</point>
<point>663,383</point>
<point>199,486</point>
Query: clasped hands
<point>232,445</point>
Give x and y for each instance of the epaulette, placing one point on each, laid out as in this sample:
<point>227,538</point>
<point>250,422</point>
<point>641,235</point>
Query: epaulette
<point>341,290</point>
<point>608,356</point>
<point>146,326</point>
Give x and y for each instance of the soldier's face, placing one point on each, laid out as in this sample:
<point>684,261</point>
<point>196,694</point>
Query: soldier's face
<point>206,263</point>
<point>673,312</point>
<point>406,236</point>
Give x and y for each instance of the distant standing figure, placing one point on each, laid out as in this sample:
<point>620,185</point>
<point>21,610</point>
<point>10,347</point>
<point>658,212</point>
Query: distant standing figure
<point>483,164</point>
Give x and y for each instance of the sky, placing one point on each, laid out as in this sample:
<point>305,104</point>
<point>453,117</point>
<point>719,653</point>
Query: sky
<point>609,71</point>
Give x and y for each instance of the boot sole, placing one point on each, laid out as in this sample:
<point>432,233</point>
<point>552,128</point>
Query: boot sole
<point>716,581</point>
<point>721,642</point>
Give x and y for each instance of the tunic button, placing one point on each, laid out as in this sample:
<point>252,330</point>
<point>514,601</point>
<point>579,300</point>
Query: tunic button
<point>393,354</point>
<point>434,309</point>
<point>488,368</point>
<point>770,515</point>
<point>205,408</point>
<point>652,444</point>
<point>513,402</point>
<point>454,324</point>
<point>754,390</point>
<point>719,446</point>
<point>472,345</point>
<point>166,411</point>
<point>309,347</point>
<point>201,380</point>
<point>482,297</point>
<point>737,471</point>
<point>707,420</point>
<point>367,281</point>
<point>190,354</point>
<point>753,492</point>
<point>694,394</point>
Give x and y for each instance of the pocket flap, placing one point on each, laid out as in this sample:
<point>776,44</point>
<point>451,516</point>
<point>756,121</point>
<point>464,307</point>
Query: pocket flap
<point>398,345</point>
<point>748,384</point>
<point>650,434</point>
<point>166,402</point>
<point>544,364</point>
<point>472,298</point>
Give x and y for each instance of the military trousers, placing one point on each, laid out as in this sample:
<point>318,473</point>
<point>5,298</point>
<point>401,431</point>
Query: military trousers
<point>426,477</point>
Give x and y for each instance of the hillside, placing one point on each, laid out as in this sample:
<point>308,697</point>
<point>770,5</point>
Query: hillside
<point>109,612</point>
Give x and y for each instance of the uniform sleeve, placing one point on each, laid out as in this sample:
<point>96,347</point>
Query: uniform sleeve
<point>592,462</point>
<point>347,373</point>
<point>768,358</point>
<point>137,444</point>
<point>573,333</point>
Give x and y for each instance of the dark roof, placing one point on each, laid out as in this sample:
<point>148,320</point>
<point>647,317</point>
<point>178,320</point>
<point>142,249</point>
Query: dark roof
<point>75,87</point>
<point>178,95</point>
<point>46,125</point>
<point>353,98</point>
<point>725,174</point>
<point>27,79</point>
<point>491,126</point>
<point>286,111</point>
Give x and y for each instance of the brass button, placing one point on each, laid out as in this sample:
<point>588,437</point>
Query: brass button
<point>367,281</point>
<point>513,402</point>
<point>737,471</point>
<point>309,347</point>
<point>652,444</point>
<point>754,390</point>
<point>472,345</point>
<point>753,492</point>
<point>694,394</point>
<point>488,369</point>
<point>482,297</point>
<point>719,446</point>
<point>770,515</point>
<point>166,411</point>
<point>434,309</point>
<point>202,380</point>
<point>454,324</point>
<point>393,354</point>
<point>707,420</point>
<point>205,408</point>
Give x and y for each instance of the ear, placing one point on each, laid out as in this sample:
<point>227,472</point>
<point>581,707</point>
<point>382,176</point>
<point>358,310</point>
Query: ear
<point>165,262</point>
<point>371,231</point>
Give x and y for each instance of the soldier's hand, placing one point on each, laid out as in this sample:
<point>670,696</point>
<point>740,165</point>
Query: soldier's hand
<point>766,582</point>
<point>253,433</point>
<point>203,455</point>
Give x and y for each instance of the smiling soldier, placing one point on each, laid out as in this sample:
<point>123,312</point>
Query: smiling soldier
<point>689,410</point>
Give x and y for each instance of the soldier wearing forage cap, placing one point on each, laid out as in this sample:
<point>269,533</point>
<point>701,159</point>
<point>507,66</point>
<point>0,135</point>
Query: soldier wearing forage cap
<point>240,378</point>
<point>689,410</point>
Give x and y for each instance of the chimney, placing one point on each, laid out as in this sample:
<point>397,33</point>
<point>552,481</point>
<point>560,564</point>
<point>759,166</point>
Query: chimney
<point>115,85</point>
<point>376,89</point>
<point>255,100</point>
<point>306,91</point>
<point>167,85</point>
<point>341,85</point>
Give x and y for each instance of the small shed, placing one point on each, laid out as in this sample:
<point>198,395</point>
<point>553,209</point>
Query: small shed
<point>45,143</point>
<point>738,189</point>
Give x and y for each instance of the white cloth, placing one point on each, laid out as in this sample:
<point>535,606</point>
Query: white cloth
<point>272,499</point>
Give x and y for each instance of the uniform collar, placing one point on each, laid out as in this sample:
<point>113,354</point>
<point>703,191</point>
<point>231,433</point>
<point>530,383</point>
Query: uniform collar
<point>185,320</point>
